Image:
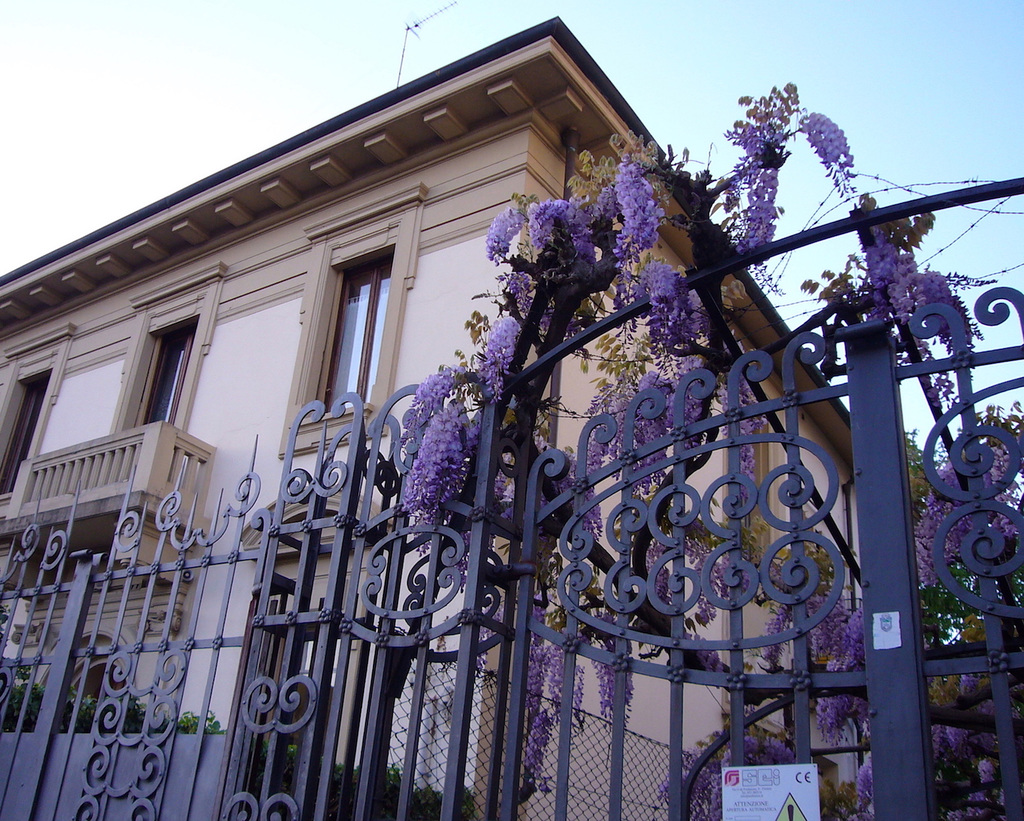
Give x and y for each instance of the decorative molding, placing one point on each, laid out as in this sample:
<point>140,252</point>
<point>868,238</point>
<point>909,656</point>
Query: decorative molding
<point>150,249</point>
<point>112,264</point>
<point>46,295</point>
<point>77,280</point>
<point>330,170</point>
<point>563,106</point>
<point>509,96</point>
<point>385,148</point>
<point>252,303</point>
<point>445,123</point>
<point>215,271</point>
<point>280,192</point>
<point>44,340</point>
<point>14,309</point>
<point>233,212</point>
<point>190,231</point>
<point>368,211</point>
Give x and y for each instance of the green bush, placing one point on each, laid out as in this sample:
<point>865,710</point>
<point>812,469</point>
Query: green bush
<point>134,720</point>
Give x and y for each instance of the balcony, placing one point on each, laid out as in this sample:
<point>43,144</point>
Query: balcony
<point>161,456</point>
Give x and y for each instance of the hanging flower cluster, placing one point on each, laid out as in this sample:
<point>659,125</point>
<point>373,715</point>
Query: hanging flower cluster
<point>441,466</point>
<point>898,287</point>
<point>763,135</point>
<point>829,143</point>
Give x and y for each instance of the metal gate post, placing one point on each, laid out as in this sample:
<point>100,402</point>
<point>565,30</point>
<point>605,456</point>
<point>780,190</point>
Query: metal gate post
<point>901,749</point>
<point>35,746</point>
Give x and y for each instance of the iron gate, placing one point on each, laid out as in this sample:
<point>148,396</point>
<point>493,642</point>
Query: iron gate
<point>255,668</point>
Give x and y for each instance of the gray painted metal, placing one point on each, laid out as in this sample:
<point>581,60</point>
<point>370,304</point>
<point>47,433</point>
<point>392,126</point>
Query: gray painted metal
<point>900,731</point>
<point>328,616</point>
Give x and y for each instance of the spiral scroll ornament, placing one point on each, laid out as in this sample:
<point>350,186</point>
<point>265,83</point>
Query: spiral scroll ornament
<point>285,708</point>
<point>698,562</point>
<point>424,561</point>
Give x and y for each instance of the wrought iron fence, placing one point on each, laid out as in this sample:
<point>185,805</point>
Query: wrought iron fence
<point>327,656</point>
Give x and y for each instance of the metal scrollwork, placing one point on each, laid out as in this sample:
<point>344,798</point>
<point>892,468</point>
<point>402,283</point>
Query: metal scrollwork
<point>284,708</point>
<point>977,472</point>
<point>982,536</point>
<point>445,551</point>
<point>55,550</point>
<point>796,567</point>
<point>88,809</point>
<point>242,806</point>
<point>128,531</point>
<point>6,683</point>
<point>170,671</point>
<point>991,308</point>
<point>280,807</point>
<point>30,539</point>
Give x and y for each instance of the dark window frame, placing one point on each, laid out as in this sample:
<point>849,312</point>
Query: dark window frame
<point>30,408</point>
<point>167,377</point>
<point>377,275</point>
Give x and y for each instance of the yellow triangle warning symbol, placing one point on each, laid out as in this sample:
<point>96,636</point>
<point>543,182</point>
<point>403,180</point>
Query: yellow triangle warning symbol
<point>790,810</point>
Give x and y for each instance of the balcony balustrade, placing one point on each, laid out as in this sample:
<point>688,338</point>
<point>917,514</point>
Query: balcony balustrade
<point>160,456</point>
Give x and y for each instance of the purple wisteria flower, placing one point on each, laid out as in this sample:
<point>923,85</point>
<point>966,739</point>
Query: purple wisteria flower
<point>761,213</point>
<point>441,464</point>
<point>542,216</point>
<point>898,288</point>
<point>829,143</point>
<point>570,215</point>
<point>497,354</point>
<point>519,288</point>
<point>430,397</point>
<point>936,510</point>
<point>677,317</point>
<point>641,213</point>
<point>606,206</point>
<point>505,227</point>
<point>544,678</point>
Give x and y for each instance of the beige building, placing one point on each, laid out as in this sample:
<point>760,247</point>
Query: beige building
<point>344,258</point>
<point>163,351</point>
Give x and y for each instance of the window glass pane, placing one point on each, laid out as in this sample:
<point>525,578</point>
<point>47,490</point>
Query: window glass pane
<point>378,331</point>
<point>169,375</point>
<point>353,331</point>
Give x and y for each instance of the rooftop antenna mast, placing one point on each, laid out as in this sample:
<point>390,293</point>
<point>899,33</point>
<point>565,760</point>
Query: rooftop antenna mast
<point>412,28</point>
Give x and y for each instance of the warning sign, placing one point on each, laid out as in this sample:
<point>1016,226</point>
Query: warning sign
<point>778,792</point>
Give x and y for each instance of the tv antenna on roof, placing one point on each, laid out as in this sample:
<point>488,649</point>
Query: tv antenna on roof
<point>412,28</point>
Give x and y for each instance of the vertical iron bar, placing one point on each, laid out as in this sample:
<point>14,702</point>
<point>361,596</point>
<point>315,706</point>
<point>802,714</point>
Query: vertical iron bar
<point>1009,766</point>
<point>801,651</point>
<point>412,733</point>
<point>55,695</point>
<point>498,730</point>
<point>901,749</point>
<point>469,635</point>
<point>569,674</point>
<point>377,732</point>
<point>522,592</point>
<point>619,719</point>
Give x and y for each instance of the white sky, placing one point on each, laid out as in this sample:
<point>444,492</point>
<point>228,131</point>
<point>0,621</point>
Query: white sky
<point>110,105</point>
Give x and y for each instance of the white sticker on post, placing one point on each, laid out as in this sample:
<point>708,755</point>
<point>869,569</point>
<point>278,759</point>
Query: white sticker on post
<point>777,792</point>
<point>885,631</point>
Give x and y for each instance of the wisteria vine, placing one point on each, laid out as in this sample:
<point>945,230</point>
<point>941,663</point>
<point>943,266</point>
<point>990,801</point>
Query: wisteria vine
<point>566,262</point>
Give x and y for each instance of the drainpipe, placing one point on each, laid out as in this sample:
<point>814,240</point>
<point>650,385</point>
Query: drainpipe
<point>571,143</point>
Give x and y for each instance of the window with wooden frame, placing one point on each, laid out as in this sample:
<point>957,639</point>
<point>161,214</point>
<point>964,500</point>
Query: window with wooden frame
<point>168,376</point>
<point>359,329</point>
<point>18,449</point>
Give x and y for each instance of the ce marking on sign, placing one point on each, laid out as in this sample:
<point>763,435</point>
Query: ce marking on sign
<point>805,777</point>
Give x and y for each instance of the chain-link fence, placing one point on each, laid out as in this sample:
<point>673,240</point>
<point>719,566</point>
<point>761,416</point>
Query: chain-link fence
<point>645,760</point>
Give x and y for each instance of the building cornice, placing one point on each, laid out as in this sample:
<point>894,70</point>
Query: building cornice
<point>543,68</point>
